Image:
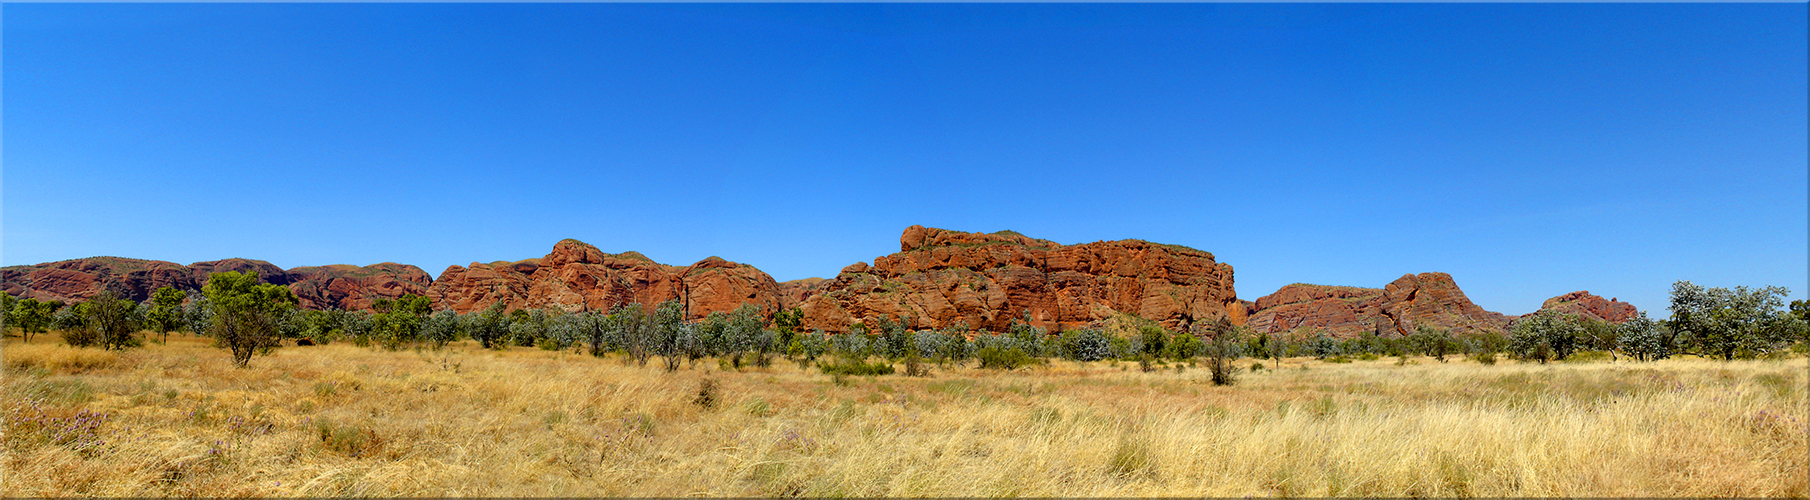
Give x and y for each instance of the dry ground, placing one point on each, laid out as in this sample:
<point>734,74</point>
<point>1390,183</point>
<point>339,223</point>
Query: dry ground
<point>340,420</point>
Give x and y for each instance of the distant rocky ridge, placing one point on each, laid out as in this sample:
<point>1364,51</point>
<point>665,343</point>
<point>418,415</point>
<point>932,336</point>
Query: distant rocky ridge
<point>577,276</point>
<point>938,279</point>
<point>322,287</point>
<point>1430,299</point>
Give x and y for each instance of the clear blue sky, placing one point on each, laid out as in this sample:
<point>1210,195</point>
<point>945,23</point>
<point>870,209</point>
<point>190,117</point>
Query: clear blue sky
<point>1529,150</point>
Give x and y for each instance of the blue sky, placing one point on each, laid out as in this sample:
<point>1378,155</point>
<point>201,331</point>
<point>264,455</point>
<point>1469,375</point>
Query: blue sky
<point>1529,150</point>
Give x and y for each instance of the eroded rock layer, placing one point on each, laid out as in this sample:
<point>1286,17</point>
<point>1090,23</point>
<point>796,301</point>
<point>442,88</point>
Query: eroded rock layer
<point>577,276</point>
<point>1582,303</point>
<point>1430,299</point>
<point>941,278</point>
<point>355,288</point>
<point>342,286</point>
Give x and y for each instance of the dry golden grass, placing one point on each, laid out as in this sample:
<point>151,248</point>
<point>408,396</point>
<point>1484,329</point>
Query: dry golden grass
<point>339,420</point>
<point>58,358</point>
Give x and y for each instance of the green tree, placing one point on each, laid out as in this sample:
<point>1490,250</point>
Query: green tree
<point>1223,344</point>
<point>1544,336</point>
<point>786,323</point>
<point>1640,337</point>
<point>32,316</point>
<point>246,313</point>
<point>1155,339</point>
<point>398,322</point>
<point>7,303</point>
<point>441,328</point>
<point>670,333</point>
<point>1724,322</point>
<point>489,327</point>
<point>112,321</point>
<point>166,311</point>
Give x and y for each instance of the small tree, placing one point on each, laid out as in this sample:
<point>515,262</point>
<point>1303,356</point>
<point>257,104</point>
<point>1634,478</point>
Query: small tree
<point>635,327</point>
<point>1544,336</point>
<point>113,321</point>
<point>741,333</point>
<point>671,333</point>
<point>32,316</point>
<point>488,327</point>
<point>441,328</point>
<point>1087,344</point>
<point>165,314</point>
<point>1640,337</point>
<point>1155,339</point>
<point>1222,346</point>
<point>1724,322</point>
<point>245,313</point>
<point>786,323</point>
<point>399,322</point>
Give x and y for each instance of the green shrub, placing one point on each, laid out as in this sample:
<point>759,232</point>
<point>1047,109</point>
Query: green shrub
<point>1486,358</point>
<point>1339,359</point>
<point>914,367</point>
<point>1008,359</point>
<point>856,367</point>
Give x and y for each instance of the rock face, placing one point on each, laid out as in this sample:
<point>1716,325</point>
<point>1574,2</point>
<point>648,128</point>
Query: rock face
<point>577,276</point>
<point>796,292</point>
<point>938,279</point>
<point>80,279</point>
<point>1582,303</point>
<point>347,287</point>
<point>943,278</point>
<point>1430,299</point>
<point>355,288</point>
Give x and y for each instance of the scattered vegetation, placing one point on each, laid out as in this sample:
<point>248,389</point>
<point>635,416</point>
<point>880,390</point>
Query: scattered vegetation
<point>551,403</point>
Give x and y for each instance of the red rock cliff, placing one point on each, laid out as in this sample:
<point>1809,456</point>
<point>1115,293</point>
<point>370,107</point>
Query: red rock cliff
<point>577,276</point>
<point>942,278</point>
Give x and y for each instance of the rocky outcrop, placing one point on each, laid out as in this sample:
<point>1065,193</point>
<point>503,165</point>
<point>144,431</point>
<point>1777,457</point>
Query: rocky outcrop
<point>796,292</point>
<point>943,278</point>
<point>1583,304</point>
<point>347,287</point>
<point>267,272</point>
<point>80,279</point>
<point>355,288</point>
<point>577,276</point>
<point>1414,300</point>
<point>466,289</point>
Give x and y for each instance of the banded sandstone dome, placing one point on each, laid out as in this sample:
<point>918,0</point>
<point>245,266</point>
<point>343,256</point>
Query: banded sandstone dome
<point>941,278</point>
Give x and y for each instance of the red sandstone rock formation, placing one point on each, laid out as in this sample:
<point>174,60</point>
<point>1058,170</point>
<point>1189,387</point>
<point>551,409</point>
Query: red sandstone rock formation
<point>355,288</point>
<point>796,292</point>
<point>1430,299</point>
<point>578,276</point>
<point>80,279</point>
<point>342,286</point>
<point>942,278</point>
<point>1582,303</point>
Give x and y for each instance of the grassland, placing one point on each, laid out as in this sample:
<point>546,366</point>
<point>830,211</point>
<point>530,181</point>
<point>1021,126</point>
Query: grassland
<point>340,420</point>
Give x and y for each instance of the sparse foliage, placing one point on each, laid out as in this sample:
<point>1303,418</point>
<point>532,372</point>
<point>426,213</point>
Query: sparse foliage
<point>1726,323</point>
<point>245,313</point>
<point>165,313</point>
